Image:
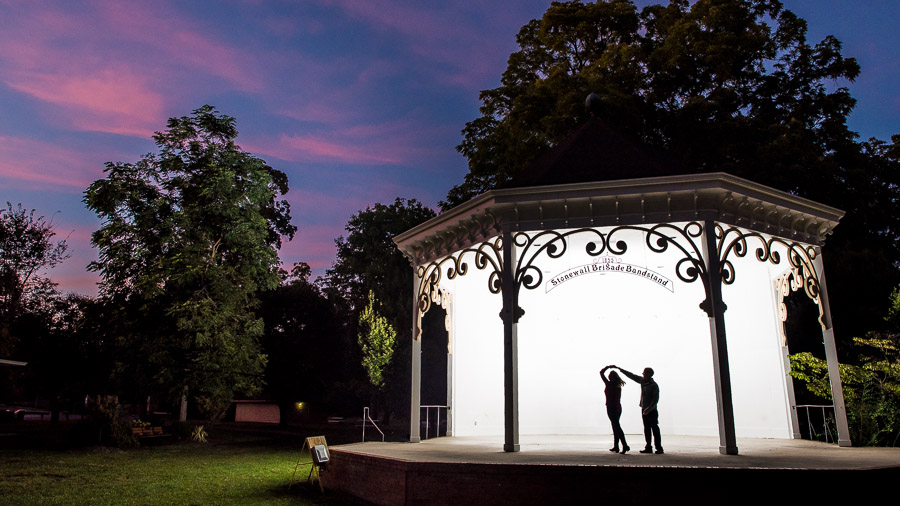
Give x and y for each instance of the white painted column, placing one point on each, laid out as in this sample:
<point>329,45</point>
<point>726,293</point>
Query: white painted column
<point>834,373</point>
<point>416,369</point>
<point>716,313</point>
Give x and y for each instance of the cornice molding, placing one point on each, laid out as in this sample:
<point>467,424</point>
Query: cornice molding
<point>718,196</point>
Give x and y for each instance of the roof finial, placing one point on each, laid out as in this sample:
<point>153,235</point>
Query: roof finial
<point>592,104</point>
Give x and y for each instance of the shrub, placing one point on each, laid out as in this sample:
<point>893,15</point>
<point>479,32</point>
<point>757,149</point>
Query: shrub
<point>199,434</point>
<point>871,387</point>
<point>110,420</point>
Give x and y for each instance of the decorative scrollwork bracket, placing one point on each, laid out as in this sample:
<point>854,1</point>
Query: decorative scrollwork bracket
<point>731,242</point>
<point>486,255</point>
<point>801,258</point>
<point>658,239</point>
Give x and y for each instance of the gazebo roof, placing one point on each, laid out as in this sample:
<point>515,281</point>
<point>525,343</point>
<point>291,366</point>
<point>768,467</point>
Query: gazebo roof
<point>712,196</point>
<point>594,152</point>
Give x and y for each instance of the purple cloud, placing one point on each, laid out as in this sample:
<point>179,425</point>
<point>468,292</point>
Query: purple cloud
<point>31,163</point>
<point>400,142</point>
<point>109,67</point>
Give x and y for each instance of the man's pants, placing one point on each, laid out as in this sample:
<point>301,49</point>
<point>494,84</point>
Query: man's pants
<point>651,426</point>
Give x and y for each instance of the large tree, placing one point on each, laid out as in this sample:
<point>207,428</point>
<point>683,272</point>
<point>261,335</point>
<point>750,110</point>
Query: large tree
<point>714,85</point>
<point>717,84</point>
<point>189,238</point>
<point>367,261</point>
<point>65,358</point>
<point>27,248</point>
<point>311,357</point>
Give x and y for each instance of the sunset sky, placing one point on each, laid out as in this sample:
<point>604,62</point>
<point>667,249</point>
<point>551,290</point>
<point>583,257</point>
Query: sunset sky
<point>358,101</point>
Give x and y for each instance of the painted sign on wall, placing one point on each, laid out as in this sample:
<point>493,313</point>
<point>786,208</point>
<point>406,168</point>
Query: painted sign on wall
<point>609,265</point>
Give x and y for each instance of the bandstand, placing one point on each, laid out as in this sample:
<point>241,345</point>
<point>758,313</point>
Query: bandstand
<point>544,285</point>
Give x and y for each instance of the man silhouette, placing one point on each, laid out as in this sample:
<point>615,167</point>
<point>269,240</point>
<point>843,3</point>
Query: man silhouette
<point>649,414</point>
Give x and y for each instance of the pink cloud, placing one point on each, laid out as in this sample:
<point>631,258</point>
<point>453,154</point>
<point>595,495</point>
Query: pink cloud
<point>314,241</point>
<point>338,95</point>
<point>179,41</point>
<point>330,210</point>
<point>325,111</point>
<point>72,275</point>
<point>317,148</point>
<point>215,58</point>
<point>423,23</point>
<point>75,280</point>
<point>401,142</point>
<point>350,197</point>
<point>337,208</point>
<point>313,245</point>
<point>110,66</point>
<point>35,164</point>
<point>107,101</point>
<point>313,148</point>
<point>75,233</point>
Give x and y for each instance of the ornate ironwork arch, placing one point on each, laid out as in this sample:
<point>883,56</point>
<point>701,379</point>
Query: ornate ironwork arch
<point>689,268</point>
<point>443,298</point>
<point>487,254</point>
<point>801,257</point>
<point>731,242</point>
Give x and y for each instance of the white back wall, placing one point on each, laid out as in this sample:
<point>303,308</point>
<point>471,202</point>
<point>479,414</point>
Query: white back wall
<point>477,344</point>
<point>758,370</point>
<point>610,315</point>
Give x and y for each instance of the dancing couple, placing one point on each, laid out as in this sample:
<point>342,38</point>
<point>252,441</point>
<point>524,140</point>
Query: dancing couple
<point>649,400</point>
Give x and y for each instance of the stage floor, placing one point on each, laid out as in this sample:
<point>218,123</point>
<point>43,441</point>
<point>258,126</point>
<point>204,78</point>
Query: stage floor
<point>581,470</point>
<point>681,451</point>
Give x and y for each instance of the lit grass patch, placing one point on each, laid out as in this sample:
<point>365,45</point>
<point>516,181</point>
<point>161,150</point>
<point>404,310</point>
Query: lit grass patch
<point>167,475</point>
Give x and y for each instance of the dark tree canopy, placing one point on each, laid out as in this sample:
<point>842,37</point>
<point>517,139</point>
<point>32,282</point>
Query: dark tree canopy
<point>65,361</point>
<point>730,85</point>
<point>189,237</point>
<point>714,85</point>
<point>27,248</point>
<point>367,260</point>
<point>311,357</point>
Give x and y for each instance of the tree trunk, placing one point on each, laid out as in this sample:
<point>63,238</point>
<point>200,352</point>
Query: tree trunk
<point>182,415</point>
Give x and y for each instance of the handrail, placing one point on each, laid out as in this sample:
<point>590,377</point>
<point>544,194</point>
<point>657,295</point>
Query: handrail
<point>365,417</point>
<point>437,431</point>
<point>824,420</point>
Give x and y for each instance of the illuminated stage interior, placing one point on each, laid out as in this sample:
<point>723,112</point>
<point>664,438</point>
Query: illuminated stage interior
<point>572,328</point>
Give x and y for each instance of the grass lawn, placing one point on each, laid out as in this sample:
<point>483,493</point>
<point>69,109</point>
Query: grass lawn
<point>236,469</point>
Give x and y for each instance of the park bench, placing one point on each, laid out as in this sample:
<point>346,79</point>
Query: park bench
<point>21,413</point>
<point>149,433</point>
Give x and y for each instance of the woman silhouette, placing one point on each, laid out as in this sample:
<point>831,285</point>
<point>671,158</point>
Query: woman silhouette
<point>613,392</point>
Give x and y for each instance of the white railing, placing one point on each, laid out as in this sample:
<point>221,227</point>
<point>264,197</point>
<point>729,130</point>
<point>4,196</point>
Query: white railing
<point>369,418</point>
<point>829,438</point>
<point>437,409</point>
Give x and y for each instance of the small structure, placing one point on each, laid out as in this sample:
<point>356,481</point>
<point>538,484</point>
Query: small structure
<point>257,411</point>
<point>635,272</point>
